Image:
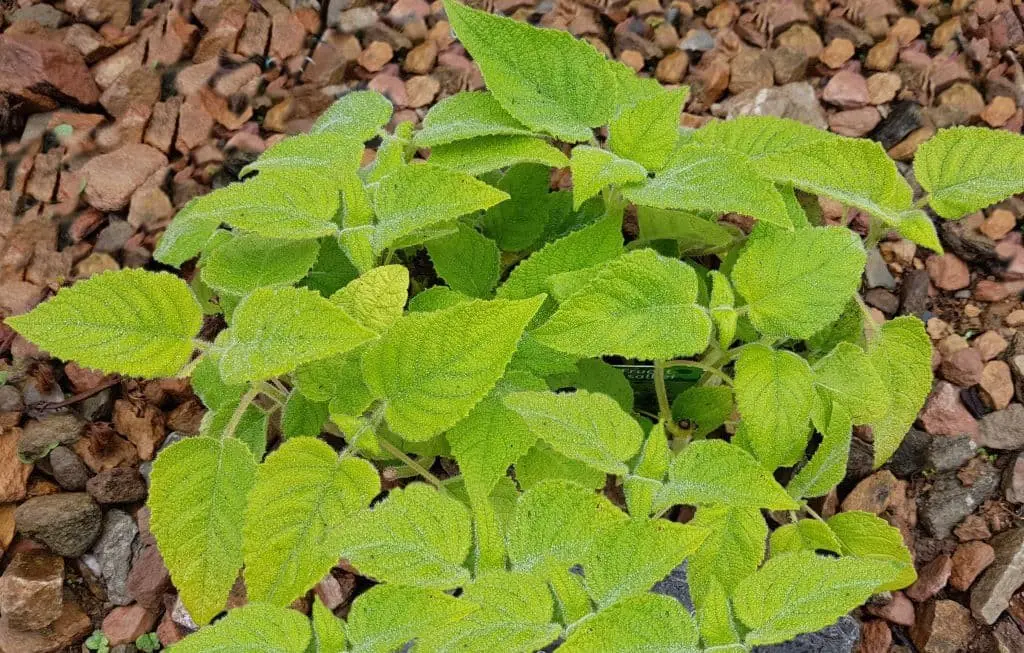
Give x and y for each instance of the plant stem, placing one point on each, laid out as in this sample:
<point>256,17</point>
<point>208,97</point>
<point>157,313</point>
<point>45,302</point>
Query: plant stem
<point>810,511</point>
<point>273,393</point>
<point>664,407</point>
<point>236,417</point>
<point>412,464</point>
<point>710,369</point>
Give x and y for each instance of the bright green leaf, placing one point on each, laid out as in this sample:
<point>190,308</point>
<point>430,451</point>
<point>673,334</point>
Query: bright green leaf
<point>482,154</point>
<point>705,407</point>
<point>248,262</point>
<point>323,155</point>
<point>846,375</point>
<point>733,549</point>
<point>594,169</point>
<point>722,312</point>
<point>693,234</point>
<point>328,630</point>
<point>827,467</point>
<point>804,535</point>
<point>542,463</point>
<point>359,114</point>
<point>252,627</point>
<point>649,622</point>
<point>865,535</point>
<point>376,299</point>
<point>467,115</point>
<point>646,132</point>
<point>467,260</point>
<point>386,617</point>
<point>302,416</point>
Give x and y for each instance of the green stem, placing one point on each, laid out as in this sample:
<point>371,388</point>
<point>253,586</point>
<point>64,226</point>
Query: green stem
<point>810,511</point>
<point>412,464</point>
<point>923,201</point>
<point>273,393</point>
<point>236,417</point>
<point>664,407</point>
<point>710,369</point>
<point>876,231</point>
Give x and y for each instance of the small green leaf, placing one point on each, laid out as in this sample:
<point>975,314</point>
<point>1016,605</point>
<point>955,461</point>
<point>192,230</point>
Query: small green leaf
<point>796,283</point>
<point>804,535</point>
<point>130,321</point>
<point>210,387</point>
<point>299,157</point>
<point>248,262</point>
<point>593,244</point>
<point>467,115</point>
<point>718,629</point>
<point>467,260</point>
<point>418,196</point>
<point>774,392</point>
<point>733,549</point>
<point>433,368</point>
<point>526,69</point>
<point>628,560</point>
<point>417,537</point>
<point>359,114</point>
<point>302,416</point>
<point>846,376</point>
<point>595,375</point>
<point>713,471</point>
<point>302,495</point>
<point>802,592</point>
<point>515,616</point>
<point>649,622</point>
<point>251,428</point>
<point>827,466</point>
<point>588,427</point>
<point>201,545</point>
<point>594,169</point>
<point>518,223</point>
<point>542,463</point>
<point>274,330</point>
<point>641,305</point>
<point>693,234</point>
<point>376,299</point>
<point>646,132</point>
<point>865,535</point>
<point>252,627</point>
<point>332,270</point>
<point>760,137</point>
<point>328,630</point>
<point>482,154</point>
<point>648,472</point>
<point>386,617</point>
<point>692,181</point>
<point>901,353</point>
<point>722,312</point>
<point>436,298</point>
<point>705,407</point>
<point>555,524</point>
<point>965,169</point>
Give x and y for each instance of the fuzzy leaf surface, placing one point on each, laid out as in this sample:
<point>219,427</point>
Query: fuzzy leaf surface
<point>385,617</point>
<point>197,497</point>
<point>274,330</point>
<point>433,368</point>
<point>423,195</point>
<point>324,155</point>
<point>252,627</point>
<point>827,466</point>
<point>733,549</point>
<point>358,115</point>
<point>130,321</point>
<point>646,132</point>
<point>760,137</point>
<point>467,115</point>
<point>641,305</point>
<point>542,463</point>
<point>802,592</point>
<point>804,535</point>
<point>417,537</point>
<point>796,283</point>
<point>692,181</point>
<point>722,305</point>
<point>594,169</point>
<point>965,169</point>
<point>648,622</point>
<point>526,69</point>
<point>774,393</point>
<point>468,261</point>
<point>585,426</point>
<point>482,154</point>
<point>377,298</point>
<point>865,535</point>
<point>693,234</point>
<point>248,262</point>
<point>713,471</point>
<point>705,407</point>
<point>328,632</point>
<point>901,353</point>
<point>302,495</point>
<point>846,376</point>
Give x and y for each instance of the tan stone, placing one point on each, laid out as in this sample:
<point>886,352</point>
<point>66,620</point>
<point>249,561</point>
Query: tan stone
<point>837,52</point>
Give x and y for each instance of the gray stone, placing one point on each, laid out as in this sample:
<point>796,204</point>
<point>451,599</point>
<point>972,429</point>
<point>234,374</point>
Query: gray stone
<point>1003,429</point>
<point>1009,637</point>
<point>914,298</point>
<point>948,453</point>
<point>797,101</point>
<point>40,436</point>
<point>68,469</point>
<point>948,501</point>
<point>67,523</point>
<point>699,40</point>
<point>677,586</point>
<point>44,14</point>
<point>876,272</point>
<point>991,595</point>
<point>97,407</point>
<point>10,400</point>
<point>114,236</point>
<point>114,551</point>
<point>840,637</point>
<point>912,456</point>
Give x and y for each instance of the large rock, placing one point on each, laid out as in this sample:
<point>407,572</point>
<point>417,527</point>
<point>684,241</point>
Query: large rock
<point>797,101</point>
<point>70,627</point>
<point>44,72</point>
<point>942,627</point>
<point>67,523</point>
<point>41,436</point>
<point>991,595</point>
<point>1003,429</point>
<point>949,501</point>
<point>110,179</point>
<point>31,590</point>
<point>114,551</point>
<point>118,485</point>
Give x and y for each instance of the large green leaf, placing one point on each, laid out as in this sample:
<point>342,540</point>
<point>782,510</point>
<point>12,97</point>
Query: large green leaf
<point>377,298</point>
<point>386,617</point>
<point>760,137</point>
<point>584,426</point>
<point>648,622</point>
<point>324,155</point>
<point>846,376</point>
<point>773,394</point>
<point>468,261</point>
<point>693,234</point>
<point>467,115</point>
<point>359,115</point>
<point>302,495</point>
<point>248,262</point>
<point>547,79</point>
<point>715,472</point>
<point>418,196</point>
<point>274,330</point>
<point>733,549</point>
<point>594,169</point>
<point>482,154</point>
<point>252,627</point>
<point>197,497</point>
<point>647,131</point>
<point>133,322</point>
<point>865,535</point>
<point>965,169</point>
<point>798,282</point>
<point>703,178</point>
<point>417,537</point>
<point>641,305</point>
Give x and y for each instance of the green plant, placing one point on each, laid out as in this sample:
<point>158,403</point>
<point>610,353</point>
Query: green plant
<point>148,643</point>
<point>98,642</point>
<point>305,260</point>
